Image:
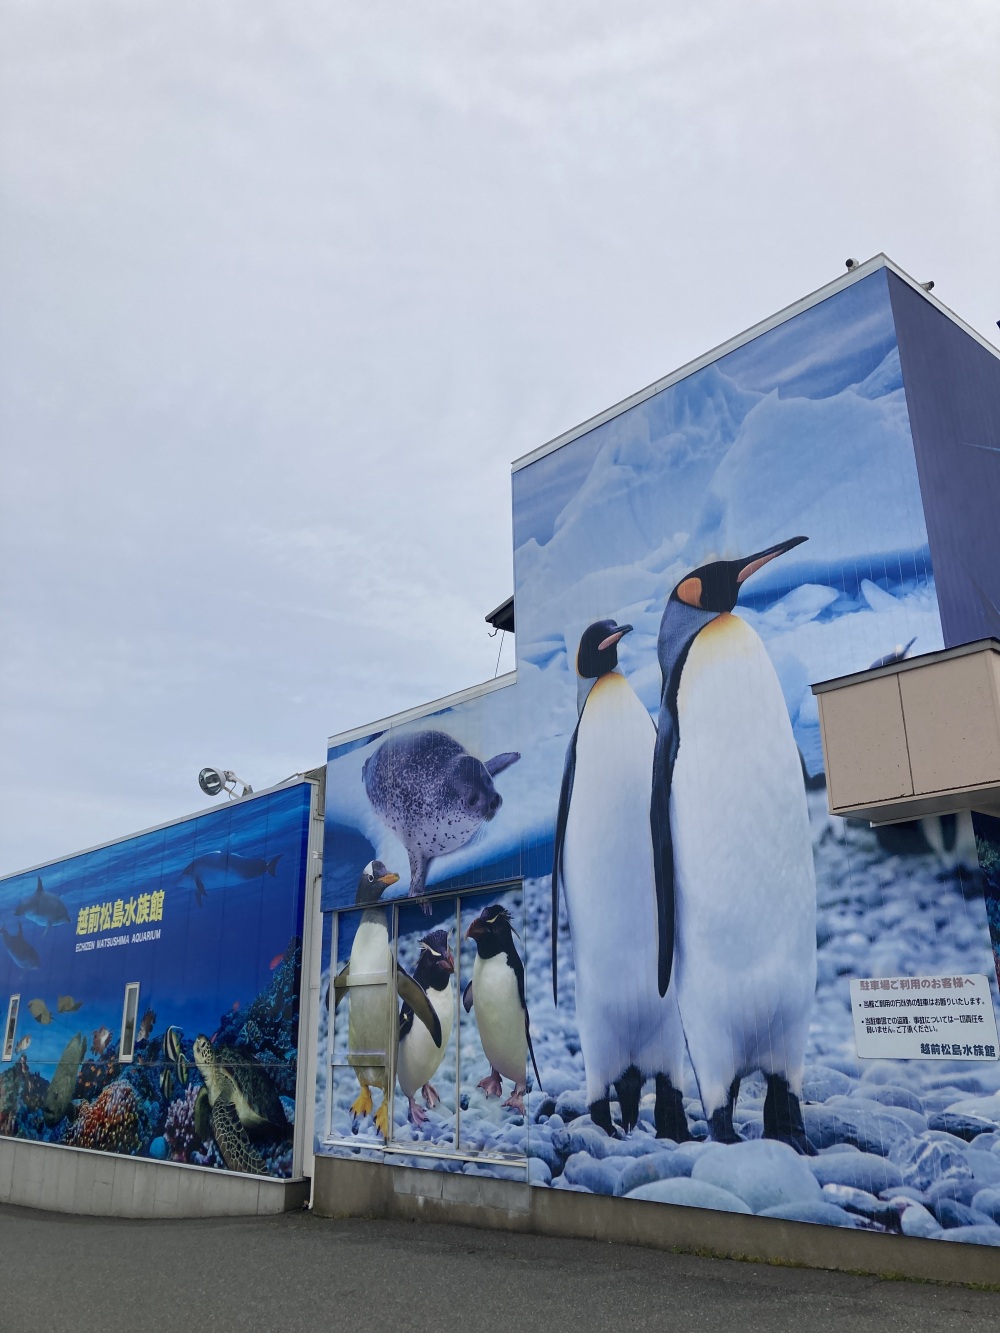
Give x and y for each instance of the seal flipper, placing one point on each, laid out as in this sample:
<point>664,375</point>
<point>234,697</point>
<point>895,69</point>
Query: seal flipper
<point>416,997</point>
<point>501,761</point>
<point>565,796</point>
<point>664,756</point>
<point>418,875</point>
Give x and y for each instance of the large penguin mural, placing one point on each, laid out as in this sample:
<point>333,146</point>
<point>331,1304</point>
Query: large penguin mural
<point>733,860</point>
<point>603,859</point>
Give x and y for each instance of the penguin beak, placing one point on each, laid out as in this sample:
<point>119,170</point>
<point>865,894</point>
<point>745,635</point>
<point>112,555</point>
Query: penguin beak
<point>448,962</point>
<point>475,930</point>
<point>618,635</point>
<point>387,879</point>
<point>754,562</point>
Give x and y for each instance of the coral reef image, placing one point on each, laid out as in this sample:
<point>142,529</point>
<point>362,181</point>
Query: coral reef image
<point>224,1100</point>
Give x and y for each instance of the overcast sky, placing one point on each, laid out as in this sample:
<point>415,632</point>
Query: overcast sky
<point>285,288</point>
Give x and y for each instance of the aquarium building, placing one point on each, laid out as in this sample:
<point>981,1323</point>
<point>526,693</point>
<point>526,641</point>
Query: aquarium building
<point>683,933</point>
<point>157,1006</point>
<point>603,952</point>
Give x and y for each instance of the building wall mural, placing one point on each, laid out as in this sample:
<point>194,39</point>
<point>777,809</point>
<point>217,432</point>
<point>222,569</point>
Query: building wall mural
<point>205,915</point>
<point>678,1017</point>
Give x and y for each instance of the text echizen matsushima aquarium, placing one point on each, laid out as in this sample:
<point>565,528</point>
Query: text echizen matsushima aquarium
<point>150,990</point>
<point>591,926</point>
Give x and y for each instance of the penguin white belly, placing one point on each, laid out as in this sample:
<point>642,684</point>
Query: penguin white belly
<point>610,895</point>
<point>500,1017</point>
<point>373,1007</point>
<point>745,957</point>
<point>419,1058</point>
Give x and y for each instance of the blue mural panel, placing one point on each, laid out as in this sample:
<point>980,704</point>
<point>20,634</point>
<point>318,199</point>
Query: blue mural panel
<point>206,916</point>
<point>683,573</point>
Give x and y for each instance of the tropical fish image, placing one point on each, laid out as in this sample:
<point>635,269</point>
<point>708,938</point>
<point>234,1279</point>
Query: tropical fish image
<point>45,909</point>
<point>219,866</point>
<point>167,1083</point>
<point>146,1024</point>
<point>21,950</point>
<point>65,1004</point>
<point>40,1011</point>
<point>276,961</point>
<point>22,1045</point>
<point>100,1039</point>
<point>174,1055</point>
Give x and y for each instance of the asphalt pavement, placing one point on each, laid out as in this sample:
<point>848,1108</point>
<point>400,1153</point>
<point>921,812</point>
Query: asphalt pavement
<point>299,1272</point>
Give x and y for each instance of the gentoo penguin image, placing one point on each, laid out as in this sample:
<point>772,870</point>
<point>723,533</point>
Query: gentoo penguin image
<point>419,1055</point>
<point>603,858</point>
<point>736,894</point>
<point>373,1022</point>
<point>497,988</point>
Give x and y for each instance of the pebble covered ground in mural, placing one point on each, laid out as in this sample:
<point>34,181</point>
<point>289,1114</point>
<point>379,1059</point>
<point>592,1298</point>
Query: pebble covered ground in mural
<point>910,1146</point>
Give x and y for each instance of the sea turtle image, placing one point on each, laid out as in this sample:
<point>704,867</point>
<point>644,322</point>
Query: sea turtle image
<point>237,1103</point>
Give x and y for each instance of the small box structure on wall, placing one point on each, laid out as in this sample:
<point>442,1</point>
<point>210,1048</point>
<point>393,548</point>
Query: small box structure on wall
<point>592,926</point>
<point>152,991</point>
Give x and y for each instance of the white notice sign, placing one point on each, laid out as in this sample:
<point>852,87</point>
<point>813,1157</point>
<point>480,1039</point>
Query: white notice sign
<point>924,1018</point>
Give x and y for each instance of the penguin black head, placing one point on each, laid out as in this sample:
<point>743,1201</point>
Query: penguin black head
<point>436,962</point>
<point>374,881</point>
<point>598,651</point>
<point>492,931</point>
<point>715,587</point>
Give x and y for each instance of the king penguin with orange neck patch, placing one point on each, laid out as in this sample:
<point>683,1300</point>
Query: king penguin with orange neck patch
<point>603,860</point>
<point>735,884</point>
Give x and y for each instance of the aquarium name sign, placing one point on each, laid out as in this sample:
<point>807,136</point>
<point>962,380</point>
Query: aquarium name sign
<point>924,1018</point>
<point>140,910</point>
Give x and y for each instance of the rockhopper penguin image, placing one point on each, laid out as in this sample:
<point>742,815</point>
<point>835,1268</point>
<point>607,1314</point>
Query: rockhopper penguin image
<point>497,989</point>
<point>419,1055</point>
<point>373,1021</point>
<point>603,860</point>
<point>736,894</point>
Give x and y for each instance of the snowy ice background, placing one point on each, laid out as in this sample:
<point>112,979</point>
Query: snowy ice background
<point>805,431</point>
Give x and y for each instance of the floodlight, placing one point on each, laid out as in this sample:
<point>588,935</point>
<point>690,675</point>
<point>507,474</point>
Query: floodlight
<point>214,781</point>
<point>928,286</point>
<point>851,263</point>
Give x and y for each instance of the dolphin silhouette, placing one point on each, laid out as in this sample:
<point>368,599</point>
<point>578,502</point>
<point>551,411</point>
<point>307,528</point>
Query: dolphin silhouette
<point>21,950</point>
<point>45,909</point>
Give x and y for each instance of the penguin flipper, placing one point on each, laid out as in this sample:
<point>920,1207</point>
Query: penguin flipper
<point>416,997</point>
<point>340,985</point>
<point>405,1020</point>
<point>467,998</point>
<point>664,756</point>
<point>562,816</point>
<point>531,1052</point>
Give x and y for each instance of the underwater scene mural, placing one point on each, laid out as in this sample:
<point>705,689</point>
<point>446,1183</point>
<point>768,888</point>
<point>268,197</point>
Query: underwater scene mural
<point>157,990</point>
<point>664,1009</point>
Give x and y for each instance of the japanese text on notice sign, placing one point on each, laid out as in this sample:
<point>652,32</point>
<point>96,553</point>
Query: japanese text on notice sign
<point>924,1018</point>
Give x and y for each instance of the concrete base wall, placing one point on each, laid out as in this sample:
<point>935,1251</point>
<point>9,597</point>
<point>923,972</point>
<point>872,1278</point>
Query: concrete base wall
<point>344,1188</point>
<point>98,1184</point>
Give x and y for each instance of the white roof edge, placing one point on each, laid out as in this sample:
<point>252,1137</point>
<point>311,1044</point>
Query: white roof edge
<point>839,283</point>
<point>423,710</point>
<point>294,781</point>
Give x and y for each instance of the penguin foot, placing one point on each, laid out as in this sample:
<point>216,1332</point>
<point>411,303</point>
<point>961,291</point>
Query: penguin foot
<point>516,1100</point>
<point>362,1105</point>
<point>600,1113</point>
<point>382,1118</point>
<point>492,1086</point>
<point>721,1126</point>
<point>431,1096</point>
<point>668,1112</point>
<point>416,1114</point>
<point>783,1116</point>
